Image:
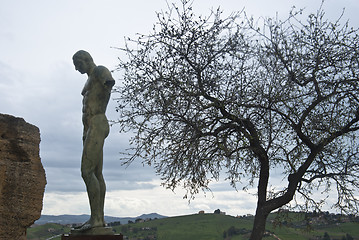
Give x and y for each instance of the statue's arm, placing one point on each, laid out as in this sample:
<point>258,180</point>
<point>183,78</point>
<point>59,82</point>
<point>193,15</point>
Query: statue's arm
<point>105,76</point>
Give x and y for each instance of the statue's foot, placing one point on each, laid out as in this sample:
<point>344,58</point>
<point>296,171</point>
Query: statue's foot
<point>88,228</point>
<point>89,224</point>
<point>79,227</point>
<point>85,227</point>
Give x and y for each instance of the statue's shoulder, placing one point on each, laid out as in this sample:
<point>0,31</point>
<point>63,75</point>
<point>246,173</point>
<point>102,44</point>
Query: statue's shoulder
<point>101,72</point>
<point>101,69</point>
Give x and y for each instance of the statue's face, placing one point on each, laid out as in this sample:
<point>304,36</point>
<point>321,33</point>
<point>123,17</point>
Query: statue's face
<point>81,65</point>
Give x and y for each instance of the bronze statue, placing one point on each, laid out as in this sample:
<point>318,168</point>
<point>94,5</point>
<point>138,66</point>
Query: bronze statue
<point>96,94</point>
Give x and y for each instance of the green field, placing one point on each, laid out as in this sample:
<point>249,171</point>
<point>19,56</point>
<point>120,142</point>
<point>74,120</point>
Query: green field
<point>204,226</point>
<point>46,231</point>
<point>216,227</point>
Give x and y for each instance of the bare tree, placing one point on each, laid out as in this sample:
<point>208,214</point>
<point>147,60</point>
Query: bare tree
<point>206,95</point>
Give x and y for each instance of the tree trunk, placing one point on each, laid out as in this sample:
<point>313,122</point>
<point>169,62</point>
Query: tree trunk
<point>259,225</point>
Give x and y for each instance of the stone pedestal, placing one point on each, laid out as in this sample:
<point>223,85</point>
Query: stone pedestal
<point>93,231</point>
<point>92,237</point>
<point>98,233</point>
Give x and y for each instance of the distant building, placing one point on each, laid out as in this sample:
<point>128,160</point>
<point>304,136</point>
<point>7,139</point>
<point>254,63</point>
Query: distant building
<point>218,211</point>
<point>201,212</point>
<point>139,220</point>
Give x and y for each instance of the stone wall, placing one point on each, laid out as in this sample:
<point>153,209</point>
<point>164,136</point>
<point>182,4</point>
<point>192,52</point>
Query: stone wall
<point>22,177</point>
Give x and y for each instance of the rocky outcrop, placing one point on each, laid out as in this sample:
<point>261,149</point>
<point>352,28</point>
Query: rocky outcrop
<point>22,177</point>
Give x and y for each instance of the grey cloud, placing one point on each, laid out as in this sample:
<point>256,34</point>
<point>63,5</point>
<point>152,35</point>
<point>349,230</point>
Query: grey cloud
<point>128,185</point>
<point>64,180</point>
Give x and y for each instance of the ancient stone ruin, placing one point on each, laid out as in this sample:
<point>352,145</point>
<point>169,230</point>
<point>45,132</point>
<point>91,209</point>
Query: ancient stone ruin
<point>22,177</point>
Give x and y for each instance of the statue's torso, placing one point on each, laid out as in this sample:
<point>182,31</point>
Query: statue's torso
<point>96,93</point>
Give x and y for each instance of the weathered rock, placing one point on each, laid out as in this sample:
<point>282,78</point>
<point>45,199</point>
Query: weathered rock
<point>22,177</point>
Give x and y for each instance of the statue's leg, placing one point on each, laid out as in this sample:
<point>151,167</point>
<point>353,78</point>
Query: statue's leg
<point>91,165</point>
<point>102,122</point>
<point>102,185</point>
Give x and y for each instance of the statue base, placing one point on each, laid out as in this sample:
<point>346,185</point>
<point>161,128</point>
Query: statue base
<point>93,231</point>
<point>98,233</point>
<point>92,237</point>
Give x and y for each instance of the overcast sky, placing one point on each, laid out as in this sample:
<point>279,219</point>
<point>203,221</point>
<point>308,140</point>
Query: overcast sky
<point>38,82</point>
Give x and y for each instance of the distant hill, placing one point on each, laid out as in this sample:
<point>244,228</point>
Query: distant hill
<point>217,226</point>
<point>70,219</point>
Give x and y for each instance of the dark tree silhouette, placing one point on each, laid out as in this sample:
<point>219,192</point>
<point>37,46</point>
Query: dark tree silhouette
<point>206,94</point>
<point>326,236</point>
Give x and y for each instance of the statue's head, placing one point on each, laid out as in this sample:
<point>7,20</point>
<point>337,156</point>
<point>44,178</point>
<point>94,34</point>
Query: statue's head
<point>83,61</point>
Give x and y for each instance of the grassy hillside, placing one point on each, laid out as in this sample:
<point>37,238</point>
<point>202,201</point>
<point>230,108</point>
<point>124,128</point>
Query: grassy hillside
<point>219,227</point>
<point>197,226</point>
<point>46,231</point>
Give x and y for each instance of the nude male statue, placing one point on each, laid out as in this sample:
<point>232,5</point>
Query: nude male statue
<point>96,94</point>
